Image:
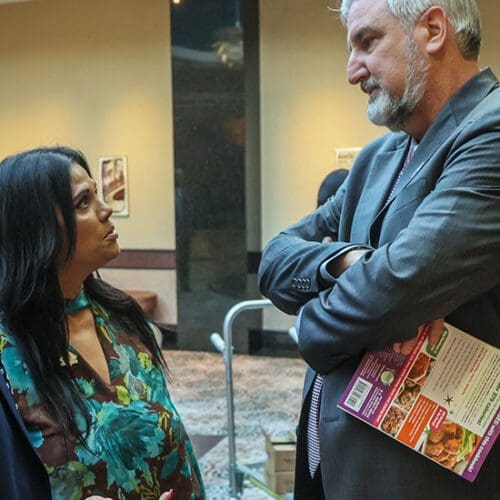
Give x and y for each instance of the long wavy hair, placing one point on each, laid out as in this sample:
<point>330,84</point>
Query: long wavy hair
<point>35,194</point>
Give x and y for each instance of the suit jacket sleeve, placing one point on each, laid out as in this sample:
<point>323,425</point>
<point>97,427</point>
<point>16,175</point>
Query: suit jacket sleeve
<point>445,257</point>
<point>289,271</point>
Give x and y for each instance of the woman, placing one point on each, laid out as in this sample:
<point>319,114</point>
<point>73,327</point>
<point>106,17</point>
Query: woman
<point>82,362</point>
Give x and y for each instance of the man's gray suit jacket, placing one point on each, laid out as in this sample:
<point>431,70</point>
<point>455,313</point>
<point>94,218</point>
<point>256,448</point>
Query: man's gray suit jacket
<point>435,253</point>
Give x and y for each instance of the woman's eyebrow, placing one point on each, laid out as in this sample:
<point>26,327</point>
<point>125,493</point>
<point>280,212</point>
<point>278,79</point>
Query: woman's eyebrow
<point>81,192</point>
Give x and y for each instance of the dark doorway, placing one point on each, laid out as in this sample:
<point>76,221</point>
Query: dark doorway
<point>211,82</point>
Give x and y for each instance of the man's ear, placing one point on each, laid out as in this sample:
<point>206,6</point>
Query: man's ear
<point>433,26</point>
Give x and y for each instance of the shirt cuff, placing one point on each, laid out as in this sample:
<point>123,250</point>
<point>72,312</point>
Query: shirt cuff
<point>323,271</point>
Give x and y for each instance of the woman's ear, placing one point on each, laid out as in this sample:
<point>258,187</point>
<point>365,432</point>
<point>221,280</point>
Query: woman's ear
<point>433,27</point>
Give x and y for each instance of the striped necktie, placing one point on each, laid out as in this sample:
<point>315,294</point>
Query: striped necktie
<point>313,457</point>
<point>409,156</point>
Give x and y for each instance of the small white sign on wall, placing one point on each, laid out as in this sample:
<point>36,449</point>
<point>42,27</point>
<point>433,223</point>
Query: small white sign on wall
<point>344,157</point>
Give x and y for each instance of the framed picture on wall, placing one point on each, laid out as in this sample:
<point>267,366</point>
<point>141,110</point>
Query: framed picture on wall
<point>113,183</point>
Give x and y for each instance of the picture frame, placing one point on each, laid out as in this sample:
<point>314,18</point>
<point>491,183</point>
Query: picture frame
<point>113,182</point>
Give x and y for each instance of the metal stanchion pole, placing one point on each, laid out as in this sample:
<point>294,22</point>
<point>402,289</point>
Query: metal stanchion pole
<point>226,347</point>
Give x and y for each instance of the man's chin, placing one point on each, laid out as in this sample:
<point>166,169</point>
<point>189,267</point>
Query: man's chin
<point>377,118</point>
<point>393,122</point>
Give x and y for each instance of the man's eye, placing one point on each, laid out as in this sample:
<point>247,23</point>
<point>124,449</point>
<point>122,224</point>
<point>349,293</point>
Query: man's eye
<point>367,43</point>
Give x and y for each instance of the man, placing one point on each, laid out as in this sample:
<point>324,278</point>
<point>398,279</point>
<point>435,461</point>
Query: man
<point>22,474</point>
<point>413,235</point>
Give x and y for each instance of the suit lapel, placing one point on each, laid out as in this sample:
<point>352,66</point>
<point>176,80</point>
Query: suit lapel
<point>453,113</point>
<point>441,129</point>
<point>384,171</point>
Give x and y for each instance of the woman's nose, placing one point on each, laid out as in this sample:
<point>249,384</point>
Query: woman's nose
<point>105,210</point>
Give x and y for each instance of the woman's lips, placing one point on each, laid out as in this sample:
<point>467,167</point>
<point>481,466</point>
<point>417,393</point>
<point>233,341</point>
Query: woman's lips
<point>112,234</point>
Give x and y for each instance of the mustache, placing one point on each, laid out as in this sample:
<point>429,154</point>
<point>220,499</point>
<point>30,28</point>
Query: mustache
<point>368,85</point>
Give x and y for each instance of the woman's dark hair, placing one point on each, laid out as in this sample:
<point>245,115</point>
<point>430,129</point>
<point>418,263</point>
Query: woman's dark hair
<point>35,196</point>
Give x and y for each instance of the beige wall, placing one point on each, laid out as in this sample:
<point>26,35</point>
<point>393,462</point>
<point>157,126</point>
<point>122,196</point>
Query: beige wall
<point>162,282</point>
<point>307,107</point>
<point>96,75</point>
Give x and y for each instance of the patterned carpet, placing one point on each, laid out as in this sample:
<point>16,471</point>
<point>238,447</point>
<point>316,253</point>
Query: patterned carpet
<point>267,394</point>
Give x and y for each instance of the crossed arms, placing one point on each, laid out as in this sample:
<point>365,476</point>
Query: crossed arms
<point>446,256</point>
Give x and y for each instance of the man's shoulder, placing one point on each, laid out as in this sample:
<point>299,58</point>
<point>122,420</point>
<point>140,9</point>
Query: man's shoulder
<point>390,142</point>
<point>476,101</point>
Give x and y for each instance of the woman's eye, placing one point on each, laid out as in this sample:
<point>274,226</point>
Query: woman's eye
<point>84,202</point>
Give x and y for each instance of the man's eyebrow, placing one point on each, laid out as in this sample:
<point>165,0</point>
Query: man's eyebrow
<point>362,32</point>
<point>359,33</point>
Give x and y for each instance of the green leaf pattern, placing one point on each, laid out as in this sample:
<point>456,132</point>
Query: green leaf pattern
<point>137,446</point>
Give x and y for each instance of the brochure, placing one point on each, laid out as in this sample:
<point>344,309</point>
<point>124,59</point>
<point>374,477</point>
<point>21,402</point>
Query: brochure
<point>442,401</point>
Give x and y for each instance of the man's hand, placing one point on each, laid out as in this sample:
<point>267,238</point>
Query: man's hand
<point>343,262</point>
<point>435,332</point>
<point>168,495</point>
<point>338,265</point>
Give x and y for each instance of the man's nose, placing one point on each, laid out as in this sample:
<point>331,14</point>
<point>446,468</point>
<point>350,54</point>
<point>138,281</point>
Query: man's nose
<point>357,72</point>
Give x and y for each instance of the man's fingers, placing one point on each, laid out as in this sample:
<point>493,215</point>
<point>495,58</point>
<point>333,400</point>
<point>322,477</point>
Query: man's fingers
<point>436,328</point>
<point>327,239</point>
<point>407,347</point>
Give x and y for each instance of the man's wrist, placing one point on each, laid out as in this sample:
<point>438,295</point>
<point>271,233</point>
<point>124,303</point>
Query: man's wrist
<point>336,266</point>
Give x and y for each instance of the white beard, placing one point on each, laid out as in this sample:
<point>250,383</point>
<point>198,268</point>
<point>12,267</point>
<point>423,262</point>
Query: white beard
<point>388,110</point>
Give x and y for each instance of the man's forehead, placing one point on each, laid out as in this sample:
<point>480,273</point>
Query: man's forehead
<point>365,17</point>
<point>367,12</point>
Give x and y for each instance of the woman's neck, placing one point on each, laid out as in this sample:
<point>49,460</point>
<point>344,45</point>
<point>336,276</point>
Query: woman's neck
<point>70,284</point>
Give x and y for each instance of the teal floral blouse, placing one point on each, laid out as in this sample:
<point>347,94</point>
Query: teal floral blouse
<point>137,447</point>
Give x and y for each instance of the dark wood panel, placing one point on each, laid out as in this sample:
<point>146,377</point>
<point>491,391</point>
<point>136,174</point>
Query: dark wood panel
<point>144,259</point>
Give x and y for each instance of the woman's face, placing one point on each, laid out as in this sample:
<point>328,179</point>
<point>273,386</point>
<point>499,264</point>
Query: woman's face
<point>96,238</point>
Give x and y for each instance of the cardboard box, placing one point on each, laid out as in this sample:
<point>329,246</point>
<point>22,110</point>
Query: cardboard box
<point>280,482</point>
<point>281,456</point>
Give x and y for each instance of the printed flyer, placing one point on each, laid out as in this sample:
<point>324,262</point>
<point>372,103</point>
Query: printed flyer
<point>442,401</point>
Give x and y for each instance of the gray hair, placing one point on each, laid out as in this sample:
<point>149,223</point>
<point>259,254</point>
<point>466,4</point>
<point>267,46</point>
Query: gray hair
<point>464,17</point>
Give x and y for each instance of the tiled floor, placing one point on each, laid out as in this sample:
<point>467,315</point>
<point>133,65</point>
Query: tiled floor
<point>267,394</point>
